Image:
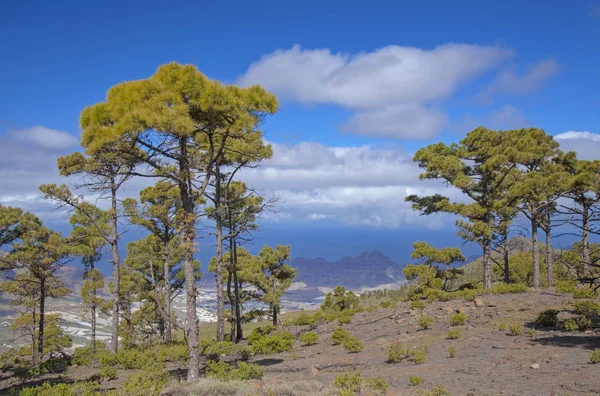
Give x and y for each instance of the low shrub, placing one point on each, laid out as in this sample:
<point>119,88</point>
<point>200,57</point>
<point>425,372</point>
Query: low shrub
<point>547,318</point>
<point>176,352</point>
<point>418,354</point>
<point>306,319</point>
<point>417,304</point>
<point>415,380</point>
<point>309,338</point>
<point>84,356</point>
<point>345,317</point>
<point>458,319</point>
<point>339,335</point>
<point>565,286</point>
<point>352,344</point>
<point>501,326</point>
<point>350,382</point>
<point>273,343</point>
<point>47,389</point>
<point>454,334</point>
<point>260,332</point>
<point>388,304</point>
<point>438,390</point>
<point>290,388</point>
<point>396,353</point>
<point>108,373</point>
<point>531,332</point>
<point>216,350</point>
<point>584,292</point>
<point>595,356</point>
<point>586,308</point>
<point>452,351</point>
<point>515,329</point>
<point>425,322</point>
<point>225,372</point>
<point>569,325</point>
<point>377,384</point>
<point>148,382</point>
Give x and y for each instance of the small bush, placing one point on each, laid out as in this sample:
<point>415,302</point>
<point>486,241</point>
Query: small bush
<point>148,382</point>
<point>396,353</point>
<point>547,318</point>
<point>377,384</point>
<point>425,322</point>
<point>439,390</point>
<point>84,356</point>
<point>565,286</point>
<point>217,349</point>
<point>515,329</point>
<point>388,304</point>
<point>569,325</point>
<point>309,338</point>
<point>458,319</point>
<point>583,323</point>
<point>352,344</point>
<point>418,355</point>
<point>108,373</point>
<point>595,356</point>
<point>452,351</point>
<point>584,292</point>
<point>345,317</point>
<point>243,352</point>
<point>417,304</point>
<point>531,332</point>
<point>260,332</point>
<point>586,308</point>
<point>273,343</point>
<point>415,380</point>
<point>501,326</point>
<point>173,352</point>
<point>305,319</point>
<point>349,382</point>
<point>339,335</point>
<point>61,389</point>
<point>454,334</point>
<point>225,372</point>
<point>289,388</point>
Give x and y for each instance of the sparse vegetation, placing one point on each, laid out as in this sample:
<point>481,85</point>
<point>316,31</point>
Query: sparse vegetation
<point>595,356</point>
<point>350,382</point>
<point>452,351</point>
<point>388,304</point>
<point>458,319</point>
<point>425,322</point>
<point>453,334</point>
<point>547,318</point>
<point>378,384</point>
<point>415,380</point>
<point>352,344</point>
<point>339,335</point>
<point>515,328</point>
<point>418,354</point>
<point>309,338</point>
<point>397,352</point>
<point>586,308</point>
<point>417,304</point>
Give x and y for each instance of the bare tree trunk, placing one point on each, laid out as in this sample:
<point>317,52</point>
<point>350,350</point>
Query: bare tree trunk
<point>549,263</point>
<point>275,314</point>
<point>237,292</point>
<point>40,342</point>
<point>505,254</point>
<point>585,241</point>
<point>219,269</point>
<point>114,333</point>
<point>167,295</point>
<point>189,235</point>
<point>487,266</point>
<point>535,251</point>
<point>34,359</point>
<point>231,303</point>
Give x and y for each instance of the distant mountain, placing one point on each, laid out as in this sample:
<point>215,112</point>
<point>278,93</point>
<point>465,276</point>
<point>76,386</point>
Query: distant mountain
<point>367,270</point>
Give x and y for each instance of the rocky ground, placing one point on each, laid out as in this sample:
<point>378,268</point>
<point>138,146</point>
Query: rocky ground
<point>489,361</point>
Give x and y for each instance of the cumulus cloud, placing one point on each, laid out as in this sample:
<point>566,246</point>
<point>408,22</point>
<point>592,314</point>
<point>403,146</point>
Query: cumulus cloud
<point>511,81</point>
<point>360,185</point>
<point>388,87</point>
<point>585,144</point>
<point>45,138</point>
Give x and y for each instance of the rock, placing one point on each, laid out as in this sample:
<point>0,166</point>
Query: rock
<point>390,392</point>
<point>314,371</point>
<point>448,309</point>
<point>564,315</point>
<point>535,366</point>
<point>478,302</point>
<point>255,384</point>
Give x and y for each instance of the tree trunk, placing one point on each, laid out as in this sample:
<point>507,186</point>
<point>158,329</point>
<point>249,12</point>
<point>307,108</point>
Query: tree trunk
<point>231,303</point>
<point>40,342</point>
<point>585,241</point>
<point>549,263</point>
<point>275,314</point>
<point>506,256</point>
<point>189,235</point>
<point>487,266</point>
<point>93,324</point>
<point>219,269</point>
<point>34,359</point>
<point>238,299</point>
<point>167,294</point>
<point>114,333</point>
<point>535,251</point>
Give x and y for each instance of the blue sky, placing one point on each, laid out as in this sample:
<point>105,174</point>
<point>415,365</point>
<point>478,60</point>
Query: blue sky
<point>380,79</point>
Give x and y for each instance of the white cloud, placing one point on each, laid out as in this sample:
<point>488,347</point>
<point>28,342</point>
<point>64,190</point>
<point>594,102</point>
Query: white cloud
<point>45,137</point>
<point>585,144</point>
<point>506,117</point>
<point>510,81</point>
<point>398,79</point>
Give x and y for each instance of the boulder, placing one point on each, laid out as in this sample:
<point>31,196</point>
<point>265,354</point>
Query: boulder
<point>478,302</point>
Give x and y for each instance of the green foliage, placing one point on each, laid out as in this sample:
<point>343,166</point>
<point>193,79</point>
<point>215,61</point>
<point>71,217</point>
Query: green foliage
<point>309,338</point>
<point>345,317</point>
<point>276,342</point>
<point>396,353</point>
<point>458,319</point>
<point>260,332</point>
<point>352,344</point>
<point>515,328</point>
<point>547,318</point>
<point>306,319</point>
<point>415,380</point>
<point>350,382</point>
<point>417,304</point>
<point>388,304</point>
<point>340,300</point>
<point>61,389</point>
<point>226,372</point>
<point>586,308</point>
<point>452,351</point>
<point>418,354</point>
<point>176,352</point>
<point>339,335</point>
<point>438,390</point>
<point>454,334</point>
<point>108,373</point>
<point>565,286</point>
<point>84,356</point>
<point>595,356</point>
<point>147,382</point>
<point>445,256</point>
<point>501,326</point>
<point>378,384</point>
<point>425,322</point>
<point>585,292</point>
<point>531,332</point>
<point>569,325</point>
